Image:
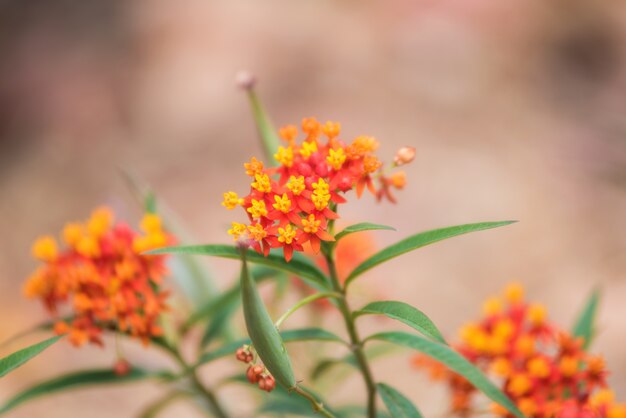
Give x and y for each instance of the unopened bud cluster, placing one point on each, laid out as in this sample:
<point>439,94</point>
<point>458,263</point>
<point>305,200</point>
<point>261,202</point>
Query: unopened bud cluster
<point>256,374</point>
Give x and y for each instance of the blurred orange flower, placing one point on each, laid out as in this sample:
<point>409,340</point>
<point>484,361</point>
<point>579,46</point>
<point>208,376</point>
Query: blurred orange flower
<point>102,278</point>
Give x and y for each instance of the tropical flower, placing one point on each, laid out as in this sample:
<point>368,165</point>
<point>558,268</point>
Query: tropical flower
<point>292,204</point>
<point>541,368</point>
<point>101,280</point>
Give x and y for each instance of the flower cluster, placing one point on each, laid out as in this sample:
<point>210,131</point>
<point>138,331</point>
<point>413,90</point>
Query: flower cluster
<point>543,370</point>
<point>292,204</point>
<point>256,374</point>
<point>103,277</point>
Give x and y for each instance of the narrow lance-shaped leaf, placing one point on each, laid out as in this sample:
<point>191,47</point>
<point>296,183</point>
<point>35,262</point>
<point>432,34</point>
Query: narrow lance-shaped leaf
<point>399,406</point>
<point>452,360</point>
<point>15,360</point>
<point>417,241</point>
<point>364,226</point>
<point>264,335</point>
<point>75,380</point>
<point>299,265</point>
<point>585,324</point>
<point>405,313</point>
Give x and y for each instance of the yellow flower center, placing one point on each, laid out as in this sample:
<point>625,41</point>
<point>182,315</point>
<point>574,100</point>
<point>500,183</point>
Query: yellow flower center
<point>237,230</point>
<point>284,156</point>
<point>257,232</point>
<point>257,209</point>
<point>311,225</point>
<point>282,204</point>
<point>45,248</point>
<point>296,185</point>
<point>262,183</point>
<point>231,200</point>
<point>253,167</point>
<point>308,148</point>
<point>286,234</point>
<point>336,158</point>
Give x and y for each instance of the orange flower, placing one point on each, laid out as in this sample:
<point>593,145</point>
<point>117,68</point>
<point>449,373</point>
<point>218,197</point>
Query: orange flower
<point>101,279</point>
<point>299,196</point>
<point>542,369</point>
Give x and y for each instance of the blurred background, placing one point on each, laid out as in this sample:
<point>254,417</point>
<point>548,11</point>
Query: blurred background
<point>517,110</point>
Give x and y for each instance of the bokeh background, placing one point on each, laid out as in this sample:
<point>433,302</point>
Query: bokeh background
<point>517,110</point>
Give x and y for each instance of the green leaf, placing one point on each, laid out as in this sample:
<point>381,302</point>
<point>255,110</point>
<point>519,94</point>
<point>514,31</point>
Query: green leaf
<point>397,404</point>
<point>227,299</point>
<point>453,360</point>
<point>155,408</point>
<point>265,337</point>
<point>15,360</point>
<point>292,335</point>
<point>150,205</point>
<point>417,241</point>
<point>364,226</point>
<point>585,324</point>
<point>371,353</point>
<point>266,129</point>
<point>79,379</point>
<point>221,309</point>
<point>193,278</point>
<point>299,264</point>
<point>405,313</point>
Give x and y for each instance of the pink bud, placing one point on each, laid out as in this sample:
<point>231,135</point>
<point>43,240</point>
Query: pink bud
<point>404,156</point>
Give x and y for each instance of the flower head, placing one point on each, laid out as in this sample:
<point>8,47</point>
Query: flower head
<point>542,369</point>
<point>102,279</point>
<point>293,203</point>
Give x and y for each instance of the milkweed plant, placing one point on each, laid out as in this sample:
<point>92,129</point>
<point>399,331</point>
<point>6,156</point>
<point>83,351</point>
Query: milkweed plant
<point>104,276</point>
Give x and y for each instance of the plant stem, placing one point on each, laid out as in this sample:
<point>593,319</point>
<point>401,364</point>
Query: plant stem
<point>206,393</point>
<point>304,302</point>
<point>317,406</point>
<point>355,340</point>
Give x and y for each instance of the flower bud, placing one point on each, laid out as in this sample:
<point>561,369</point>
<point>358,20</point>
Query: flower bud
<point>121,367</point>
<point>398,180</point>
<point>404,156</point>
<point>253,374</point>
<point>267,383</point>
<point>241,355</point>
<point>245,80</point>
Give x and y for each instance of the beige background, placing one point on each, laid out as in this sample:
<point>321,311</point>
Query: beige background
<point>517,110</point>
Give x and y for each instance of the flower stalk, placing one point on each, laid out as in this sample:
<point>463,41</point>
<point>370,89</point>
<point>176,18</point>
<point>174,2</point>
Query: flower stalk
<point>355,341</point>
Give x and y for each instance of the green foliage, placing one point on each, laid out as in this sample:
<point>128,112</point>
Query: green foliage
<point>227,299</point>
<point>76,380</point>
<point>15,360</point>
<point>417,241</point>
<point>371,353</point>
<point>453,360</point>
<point>157,407</point>
<point>364,226</point>
<point>299,264</point>
<point>397,404</point>
<point>585,324</point>
<point>264,335</point>
<point>404,313</point>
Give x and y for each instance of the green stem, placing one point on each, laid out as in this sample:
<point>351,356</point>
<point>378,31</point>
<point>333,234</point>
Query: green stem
<point>355,340</point>
<point>317,406</point>
<point>304,302</point>
<point>206,393</point>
